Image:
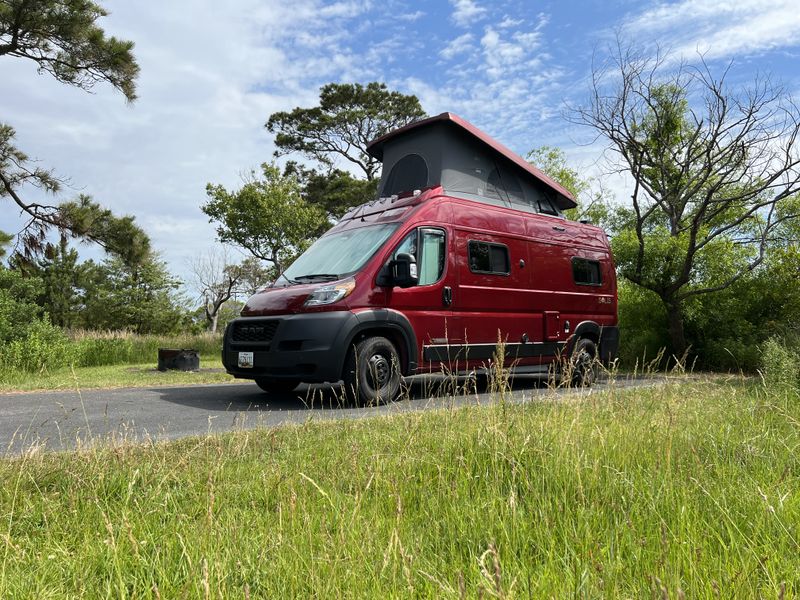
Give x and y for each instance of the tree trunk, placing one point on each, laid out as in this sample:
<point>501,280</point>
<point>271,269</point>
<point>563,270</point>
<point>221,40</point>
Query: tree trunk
<point>676,335</point>
<point>212,322</point>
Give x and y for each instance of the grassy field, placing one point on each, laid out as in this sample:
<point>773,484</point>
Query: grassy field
<point>684,490</point>
<point>119,359</point>
<point>112,376</point>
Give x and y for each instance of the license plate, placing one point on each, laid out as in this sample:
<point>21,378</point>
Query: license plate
<point>245,360</point>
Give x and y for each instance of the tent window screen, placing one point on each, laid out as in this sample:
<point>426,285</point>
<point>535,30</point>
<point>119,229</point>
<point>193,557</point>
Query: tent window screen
<point>488,258</point>
<point>504,186</point>
<point>408,174</point>
<point>546,206</point>
<point>586,272</point>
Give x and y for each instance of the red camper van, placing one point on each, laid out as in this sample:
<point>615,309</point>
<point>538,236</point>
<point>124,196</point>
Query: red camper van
<point>466,242</point>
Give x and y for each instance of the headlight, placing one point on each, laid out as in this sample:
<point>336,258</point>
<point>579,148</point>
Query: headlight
<point>329,294</point>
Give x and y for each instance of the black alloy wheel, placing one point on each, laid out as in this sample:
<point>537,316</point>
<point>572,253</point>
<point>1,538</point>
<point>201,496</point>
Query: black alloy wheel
<point>372,372</point>
<point>583,367</point>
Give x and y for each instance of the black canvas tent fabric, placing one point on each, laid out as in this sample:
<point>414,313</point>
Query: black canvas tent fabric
<point>447,151</point>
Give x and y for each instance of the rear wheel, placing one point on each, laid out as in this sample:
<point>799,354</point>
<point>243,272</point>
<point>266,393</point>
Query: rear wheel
<point>276,386</point>
<point>372,372</point>
<point>583,367</point>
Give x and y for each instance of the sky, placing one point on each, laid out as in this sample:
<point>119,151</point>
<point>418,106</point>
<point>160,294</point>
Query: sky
<point>212,72</point>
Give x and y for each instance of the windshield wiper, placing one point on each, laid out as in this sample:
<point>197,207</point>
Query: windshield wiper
<point>323,276</point>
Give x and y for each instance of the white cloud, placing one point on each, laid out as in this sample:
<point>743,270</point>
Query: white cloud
<point>457,46</point>
<point>467,12</point>
<point>510,54</point>
<point>719,28</point>
<point>206,88</point>
<point>343,10</point>
<point>509,22</point>
<point>506,86</point>
<point>411,17</point>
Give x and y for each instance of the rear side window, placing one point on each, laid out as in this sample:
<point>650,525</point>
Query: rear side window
<point>485,257</point>
<point>586,272</point>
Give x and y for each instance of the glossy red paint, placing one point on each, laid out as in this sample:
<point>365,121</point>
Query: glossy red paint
<point>487,272</point>
<point>536,302</point>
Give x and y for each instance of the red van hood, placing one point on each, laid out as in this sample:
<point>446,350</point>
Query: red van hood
<point>279,300</point>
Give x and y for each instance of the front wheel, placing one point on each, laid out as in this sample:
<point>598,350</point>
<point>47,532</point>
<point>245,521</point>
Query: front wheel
<point>372,371</point>
<point>276,386</point>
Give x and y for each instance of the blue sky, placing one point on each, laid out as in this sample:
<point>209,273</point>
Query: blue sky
<point>213,72</point>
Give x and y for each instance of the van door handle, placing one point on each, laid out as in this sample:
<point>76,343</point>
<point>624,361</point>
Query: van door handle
<point>447,296</point>
<point>557,228</point>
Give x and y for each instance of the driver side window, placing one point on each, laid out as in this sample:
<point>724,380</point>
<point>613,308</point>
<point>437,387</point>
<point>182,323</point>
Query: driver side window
<point>428,248</point>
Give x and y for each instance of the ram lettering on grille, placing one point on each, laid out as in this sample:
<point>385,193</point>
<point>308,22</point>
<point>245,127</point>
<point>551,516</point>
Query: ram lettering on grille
<point>261,332</point>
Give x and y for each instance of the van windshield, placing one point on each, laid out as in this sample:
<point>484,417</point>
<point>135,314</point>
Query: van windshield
<point>336,255</point>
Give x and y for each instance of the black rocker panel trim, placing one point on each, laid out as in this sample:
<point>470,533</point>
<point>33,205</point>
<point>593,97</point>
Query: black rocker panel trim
<point>445,352</point>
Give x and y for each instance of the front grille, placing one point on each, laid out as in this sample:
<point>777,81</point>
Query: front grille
<point>259,331</point>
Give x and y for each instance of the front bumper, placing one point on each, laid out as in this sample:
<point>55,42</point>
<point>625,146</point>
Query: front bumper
<point>309,347</point>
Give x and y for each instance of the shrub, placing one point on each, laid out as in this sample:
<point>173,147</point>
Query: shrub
<point>44,347</point>
<point>780,364</point>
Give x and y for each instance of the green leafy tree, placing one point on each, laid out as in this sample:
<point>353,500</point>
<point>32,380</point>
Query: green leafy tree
<point>348,118</point>
<point>61,282</point>
<point>592,203</point>
<point>267,216</point>
<point>335,192</point>
<point>28,342</point>
<point>712,172</point>
<point>62,38</point>
<point>142,298</point>
<point>18,303</point>
<point>5,240</point>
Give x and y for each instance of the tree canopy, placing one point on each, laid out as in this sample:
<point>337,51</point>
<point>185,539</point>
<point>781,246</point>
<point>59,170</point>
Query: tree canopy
<point>143,298</point>
<point>714,172</point>
<point>348,118</point>
<point>335,192</point>
<point>63,38</point>
<point>266,216</point>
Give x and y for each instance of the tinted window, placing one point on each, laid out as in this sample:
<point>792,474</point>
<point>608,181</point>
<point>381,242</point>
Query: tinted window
<point>428,248</point>
<point>408,174</point>
<point>488,258</point>
<point>586,272</point>
<point>546,206</point>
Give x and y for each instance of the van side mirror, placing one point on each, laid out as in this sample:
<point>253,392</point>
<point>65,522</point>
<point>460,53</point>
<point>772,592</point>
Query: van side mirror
<point>404,271</point>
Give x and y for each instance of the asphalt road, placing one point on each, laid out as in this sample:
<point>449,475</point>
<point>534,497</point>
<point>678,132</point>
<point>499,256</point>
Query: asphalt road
<point>64,420</point>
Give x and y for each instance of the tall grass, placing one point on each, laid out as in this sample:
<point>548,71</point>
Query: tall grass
<point>688,490</point>
<point>94,349</point>
<point>51,349</point>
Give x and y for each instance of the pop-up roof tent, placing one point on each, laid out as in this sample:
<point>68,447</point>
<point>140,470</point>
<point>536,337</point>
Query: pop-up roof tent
<point>446,150</point>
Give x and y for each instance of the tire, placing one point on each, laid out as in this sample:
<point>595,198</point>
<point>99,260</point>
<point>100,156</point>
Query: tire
<point>583,368</point>
<point>276,386</point>
<point>372,372</point>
